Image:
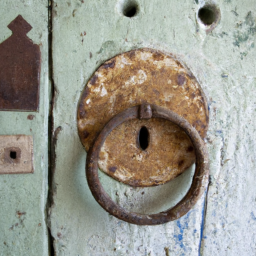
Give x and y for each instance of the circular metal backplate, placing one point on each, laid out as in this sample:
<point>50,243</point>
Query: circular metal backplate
<point>133,78</point>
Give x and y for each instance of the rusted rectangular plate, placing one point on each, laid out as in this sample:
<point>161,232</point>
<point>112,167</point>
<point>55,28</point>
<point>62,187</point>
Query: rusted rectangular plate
<point>16,154</point>
<point>19,69</point>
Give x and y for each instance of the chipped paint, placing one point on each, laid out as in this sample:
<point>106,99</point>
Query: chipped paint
<point>170,26</point>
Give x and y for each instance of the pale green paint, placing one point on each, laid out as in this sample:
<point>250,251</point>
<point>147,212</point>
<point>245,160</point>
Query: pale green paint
<point>224,64</point>
<point>227,75</point>
<point>26,192</point>
<point>78,224</point>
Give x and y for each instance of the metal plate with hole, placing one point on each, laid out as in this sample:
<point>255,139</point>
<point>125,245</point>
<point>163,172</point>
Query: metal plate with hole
<point>129,79</point>
<point>16,154</point>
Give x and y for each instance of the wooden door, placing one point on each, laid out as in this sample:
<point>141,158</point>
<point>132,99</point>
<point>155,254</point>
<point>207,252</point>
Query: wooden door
<point>216,41</point>
<point>23,196</point>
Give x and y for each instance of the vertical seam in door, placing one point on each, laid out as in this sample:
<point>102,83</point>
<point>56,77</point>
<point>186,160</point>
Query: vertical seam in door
<point>51,147</point>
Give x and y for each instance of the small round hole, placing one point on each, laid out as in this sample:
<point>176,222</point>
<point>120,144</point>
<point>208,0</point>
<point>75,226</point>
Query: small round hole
<point>13,155</point>
<point>208,15</point>
<point>143,138</point>
<point>130,10</point>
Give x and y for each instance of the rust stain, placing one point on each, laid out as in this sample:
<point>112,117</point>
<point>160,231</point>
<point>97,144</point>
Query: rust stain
<point>20,213</point>
<point>30,117</point>
<point>109,64</point>
<point>85,134</point>
<point>94,79</point>
<point>112,169</point>
<point>130,79</point>
<point>20,61</point>
<point>181,80</point>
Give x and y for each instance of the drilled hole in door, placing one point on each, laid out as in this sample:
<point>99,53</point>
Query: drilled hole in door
<point>130,11</point>
<point>143,138</point>
<point>209,14</point>
<point>13,155</point>
<point>129,8</point>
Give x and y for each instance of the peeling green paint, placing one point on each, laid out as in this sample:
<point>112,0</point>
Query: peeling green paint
<point>79,226</point>
<point>246,30</point>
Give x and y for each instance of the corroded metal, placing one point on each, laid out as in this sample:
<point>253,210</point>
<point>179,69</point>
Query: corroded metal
<point>19,69</point>
<point>145,111</point>
<point>16,154</point>
<point>133,78</point>
<point>199,183</point>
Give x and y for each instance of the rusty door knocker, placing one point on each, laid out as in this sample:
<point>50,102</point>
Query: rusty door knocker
<point>200,179</point>
<point>144,88</point>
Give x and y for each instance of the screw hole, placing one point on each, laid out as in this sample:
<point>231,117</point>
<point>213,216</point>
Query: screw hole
<point>143,138</point>
<point>13,155</point>
<point>209,15</point>
<point>129,9</point>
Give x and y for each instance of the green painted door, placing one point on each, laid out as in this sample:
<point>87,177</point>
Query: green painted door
<point>63,218</point>
<point>23,197</point>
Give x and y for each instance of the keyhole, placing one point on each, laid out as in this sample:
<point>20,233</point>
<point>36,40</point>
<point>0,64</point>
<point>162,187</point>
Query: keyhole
<point>143,138</point>
<point>13,155</point>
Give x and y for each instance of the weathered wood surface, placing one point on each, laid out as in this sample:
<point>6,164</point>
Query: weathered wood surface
<point>23,229</point>
<point>86,34</point>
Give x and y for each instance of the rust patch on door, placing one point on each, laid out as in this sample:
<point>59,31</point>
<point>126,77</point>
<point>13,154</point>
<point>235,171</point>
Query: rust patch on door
<point>130,79</point>
<point>19,69</point>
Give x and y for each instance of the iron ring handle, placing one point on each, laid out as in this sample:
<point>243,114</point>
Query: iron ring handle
<point>200,179</point>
